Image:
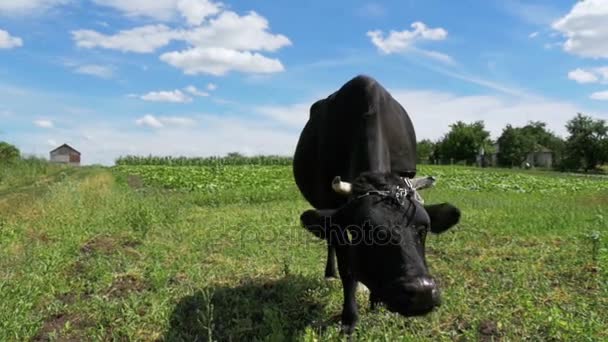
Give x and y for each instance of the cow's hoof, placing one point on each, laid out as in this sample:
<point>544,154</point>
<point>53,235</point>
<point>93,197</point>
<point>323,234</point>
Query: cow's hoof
<point>348,329</point>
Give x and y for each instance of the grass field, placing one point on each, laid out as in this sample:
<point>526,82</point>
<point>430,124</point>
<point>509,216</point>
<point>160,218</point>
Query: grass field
<point>201,253</point>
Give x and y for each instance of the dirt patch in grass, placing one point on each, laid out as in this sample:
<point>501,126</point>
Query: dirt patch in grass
<point>131,243</point>
<point>107,244</point>
<point>99,244</point>
<point>67,298</point>
<point>53,328</point>
<point>597,200</point>
<point>179,278</point>
<point>461,325</point>
<point>488,331</point>
<point>135,182</point>
<point>125,284</point>
<point>38,236</point>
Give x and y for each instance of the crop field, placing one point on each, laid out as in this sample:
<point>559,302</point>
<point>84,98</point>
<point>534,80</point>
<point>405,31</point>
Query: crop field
<point>216,252</point>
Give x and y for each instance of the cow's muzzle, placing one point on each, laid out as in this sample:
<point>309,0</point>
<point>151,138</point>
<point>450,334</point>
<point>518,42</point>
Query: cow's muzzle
<point>415,297</point>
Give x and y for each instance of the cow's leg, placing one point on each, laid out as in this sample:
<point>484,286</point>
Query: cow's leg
<point>349,308</point>
<point>349,286</point>
<point>373,301</point>
<point>330,267</point>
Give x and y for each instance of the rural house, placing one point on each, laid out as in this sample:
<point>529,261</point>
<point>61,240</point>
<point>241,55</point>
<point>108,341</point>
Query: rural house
<point>65,154</point>
<point>540,157</point>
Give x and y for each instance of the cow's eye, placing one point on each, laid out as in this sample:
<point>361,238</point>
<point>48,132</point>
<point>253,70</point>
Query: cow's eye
<point>422,230</point>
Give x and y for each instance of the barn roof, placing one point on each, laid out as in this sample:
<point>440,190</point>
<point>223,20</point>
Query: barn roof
<point>541,148</point>
<point>65,145</point>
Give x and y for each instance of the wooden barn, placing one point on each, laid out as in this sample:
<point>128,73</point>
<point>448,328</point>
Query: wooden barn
<point>541,157</point>
<point>65,154</point>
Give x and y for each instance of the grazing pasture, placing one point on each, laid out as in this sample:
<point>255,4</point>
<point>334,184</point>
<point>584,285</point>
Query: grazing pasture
<point>216,252</point>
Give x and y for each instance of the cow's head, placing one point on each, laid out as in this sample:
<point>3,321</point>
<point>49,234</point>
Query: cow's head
<point>381,235</point>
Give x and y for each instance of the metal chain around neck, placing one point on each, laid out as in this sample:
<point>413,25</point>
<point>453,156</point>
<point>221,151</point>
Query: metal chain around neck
<point>401,194</point>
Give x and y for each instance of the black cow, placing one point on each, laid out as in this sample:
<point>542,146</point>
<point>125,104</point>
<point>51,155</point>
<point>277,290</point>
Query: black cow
<point>377,225</point>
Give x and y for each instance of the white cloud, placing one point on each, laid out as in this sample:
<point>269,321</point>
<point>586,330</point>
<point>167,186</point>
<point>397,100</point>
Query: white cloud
<point>531,12</point>
<point>149,121</point>
<point>438,56</point>
<point>603,72</point>
<point>157,9</point>
<point>227,42</point>
<point>106,141</point>
<point>211,87</point>
<point>144,39</point>
<point>600,95</point>
<point>194,11</point>
<point>275,129</point>
<point>95,70</point>
<point>232,31</point>
<point>533,35</point>
<point>585,29</point>
<point>177,121</point>
<point>401,41</point>
<point>294,115</point>
<point>152,121</point>
<point>432,112</point>
<point>372,10</point>
<point>44,123</point>
<point>175,96</point>
<point>8,42</point>
<point>593,75</point>
<point>582,76</point>
<point>195,92</point>
<point>506,89</point>
<point>219,61</point>
<point>24,7</point>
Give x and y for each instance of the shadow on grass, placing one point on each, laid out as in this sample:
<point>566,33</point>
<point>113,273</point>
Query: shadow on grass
<point>275,310</point>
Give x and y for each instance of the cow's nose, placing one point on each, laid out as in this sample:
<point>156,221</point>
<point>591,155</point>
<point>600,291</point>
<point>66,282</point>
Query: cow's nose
<point>425,294</point>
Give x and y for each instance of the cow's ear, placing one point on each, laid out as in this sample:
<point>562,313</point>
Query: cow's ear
<point>443,216</point>
<point>317,222</point>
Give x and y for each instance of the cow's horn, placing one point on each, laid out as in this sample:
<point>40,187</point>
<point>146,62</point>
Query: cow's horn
<point>343,188</point>
<point>423,182</point>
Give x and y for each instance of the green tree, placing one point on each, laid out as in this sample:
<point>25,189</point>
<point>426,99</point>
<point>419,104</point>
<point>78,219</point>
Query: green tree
<point>516,142</point>
<point>586,145</point>
<point>8,152</point>
<point>538,132</point>
<point>425,150</point>
<point>514,146</point>
<point>464,141</point>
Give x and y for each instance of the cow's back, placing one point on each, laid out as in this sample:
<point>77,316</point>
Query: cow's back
<point>360,127</point>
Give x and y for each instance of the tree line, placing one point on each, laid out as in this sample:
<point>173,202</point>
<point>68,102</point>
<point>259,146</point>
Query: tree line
<point>233,158</point>
<point>585,148</point>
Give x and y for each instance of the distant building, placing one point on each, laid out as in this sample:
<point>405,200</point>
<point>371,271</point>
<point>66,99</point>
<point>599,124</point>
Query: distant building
<point>482,159</point>
<point>65,154</point>
<point>494,156</point>
<point>540,157</point>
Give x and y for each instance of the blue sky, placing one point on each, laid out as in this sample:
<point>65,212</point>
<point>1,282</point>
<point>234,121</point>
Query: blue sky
<point>198,77</point>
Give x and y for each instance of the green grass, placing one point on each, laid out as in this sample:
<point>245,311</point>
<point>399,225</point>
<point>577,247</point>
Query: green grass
<point>26,173</point>
<point>102,254</point>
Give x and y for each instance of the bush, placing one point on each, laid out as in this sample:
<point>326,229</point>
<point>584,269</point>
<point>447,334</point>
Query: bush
<point>24,171</point>
<point>8,152</point>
